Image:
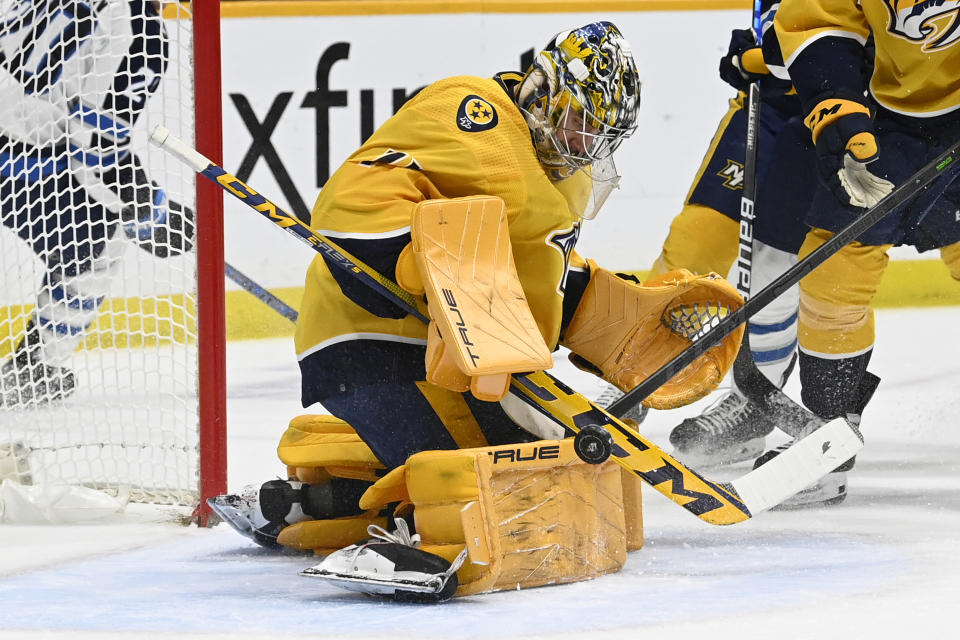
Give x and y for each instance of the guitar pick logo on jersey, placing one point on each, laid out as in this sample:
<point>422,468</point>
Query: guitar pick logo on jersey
<point>932,22</point>
<point>476,114</point>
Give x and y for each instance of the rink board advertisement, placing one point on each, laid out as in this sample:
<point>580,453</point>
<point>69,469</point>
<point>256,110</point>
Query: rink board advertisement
<point>302,92</point>
<point>304,83</point>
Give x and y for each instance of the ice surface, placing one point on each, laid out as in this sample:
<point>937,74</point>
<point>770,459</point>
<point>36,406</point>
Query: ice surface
<point>881,565</point>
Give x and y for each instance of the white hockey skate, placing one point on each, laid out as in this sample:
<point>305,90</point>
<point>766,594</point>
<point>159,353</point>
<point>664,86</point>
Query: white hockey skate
<point>731,430</point>
<point>611,394</point>
<point>390,564</point>
<point>242,512</point>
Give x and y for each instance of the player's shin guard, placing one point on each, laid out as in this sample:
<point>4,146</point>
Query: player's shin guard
<point>70,297</point>
<point>528,514</point>
<point>773,329</point>
<point>67,304</point>
<point>951,257</point>
<point>831,386</point>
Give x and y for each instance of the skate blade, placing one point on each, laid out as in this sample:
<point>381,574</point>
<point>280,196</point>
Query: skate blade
<point>739,452</point>
<point>830,490</point>
<point>374,584</point>
<point>228,508</point>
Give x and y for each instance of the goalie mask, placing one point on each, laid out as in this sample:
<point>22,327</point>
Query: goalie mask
<point>580,99</point>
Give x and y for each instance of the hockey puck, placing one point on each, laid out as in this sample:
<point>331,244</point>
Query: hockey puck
<point>593,444</point>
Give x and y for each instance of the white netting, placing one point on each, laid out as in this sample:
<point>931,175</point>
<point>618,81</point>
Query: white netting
<point>97,271</point>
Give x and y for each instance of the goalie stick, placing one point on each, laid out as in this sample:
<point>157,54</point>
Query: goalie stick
<point>712,502</point>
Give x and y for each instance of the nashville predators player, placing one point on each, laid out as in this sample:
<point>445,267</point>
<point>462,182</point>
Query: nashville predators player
<point>705,236</point>
<point>472,197</point>
<point>869,136</point>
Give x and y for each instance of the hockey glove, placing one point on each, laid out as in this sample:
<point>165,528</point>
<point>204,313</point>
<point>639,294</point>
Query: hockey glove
<point>842,128</point>
<point>743,62</point>
<point>158,225</point>
<point>624,332</point>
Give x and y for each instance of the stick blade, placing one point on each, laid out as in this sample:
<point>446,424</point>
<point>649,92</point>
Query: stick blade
<point>805,462</point>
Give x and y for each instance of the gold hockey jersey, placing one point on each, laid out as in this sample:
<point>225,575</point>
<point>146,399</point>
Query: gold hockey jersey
<point>917,62</point>
<point>458,137</point>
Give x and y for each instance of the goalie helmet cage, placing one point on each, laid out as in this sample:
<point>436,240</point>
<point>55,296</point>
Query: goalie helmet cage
<point>147,413</point>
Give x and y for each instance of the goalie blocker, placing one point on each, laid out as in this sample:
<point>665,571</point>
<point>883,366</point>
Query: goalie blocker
<point>482,330</point>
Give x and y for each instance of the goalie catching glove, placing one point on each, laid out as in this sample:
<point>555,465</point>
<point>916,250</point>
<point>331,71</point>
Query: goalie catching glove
<point>481,328</point>
<point>624,332</point>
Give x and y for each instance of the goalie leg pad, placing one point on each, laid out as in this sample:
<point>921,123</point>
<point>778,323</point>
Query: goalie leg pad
<point>624,332</point>
<point>528,514</point>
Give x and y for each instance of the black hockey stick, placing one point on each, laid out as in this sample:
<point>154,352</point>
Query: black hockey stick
<point>261,293</point>
<point>748,196</point>
<point>599,434</point>
<point>914,185</point>
<point>747,377</point>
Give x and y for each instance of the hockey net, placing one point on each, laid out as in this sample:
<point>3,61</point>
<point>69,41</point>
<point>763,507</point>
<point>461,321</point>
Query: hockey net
<point>98,256</point>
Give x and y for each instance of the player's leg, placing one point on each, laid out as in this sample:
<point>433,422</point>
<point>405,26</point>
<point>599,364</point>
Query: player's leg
<point>701,240</point>
<point>951,257</point>
<point>77,241</point>
<point>385,412</point>
<point>733,428</point>
<point>703,236</point>
<point>836,319</point>
<point>836,335</point>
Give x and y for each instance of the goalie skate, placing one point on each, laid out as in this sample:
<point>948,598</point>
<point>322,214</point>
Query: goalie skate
<point>731,430</point>
<point>390,564</point>
<point>242,512</point>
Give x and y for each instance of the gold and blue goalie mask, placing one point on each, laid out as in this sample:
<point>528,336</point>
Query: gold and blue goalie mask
<point>581,96</point>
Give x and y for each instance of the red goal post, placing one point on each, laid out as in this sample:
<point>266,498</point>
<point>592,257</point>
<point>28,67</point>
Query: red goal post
<point>210,283</point>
